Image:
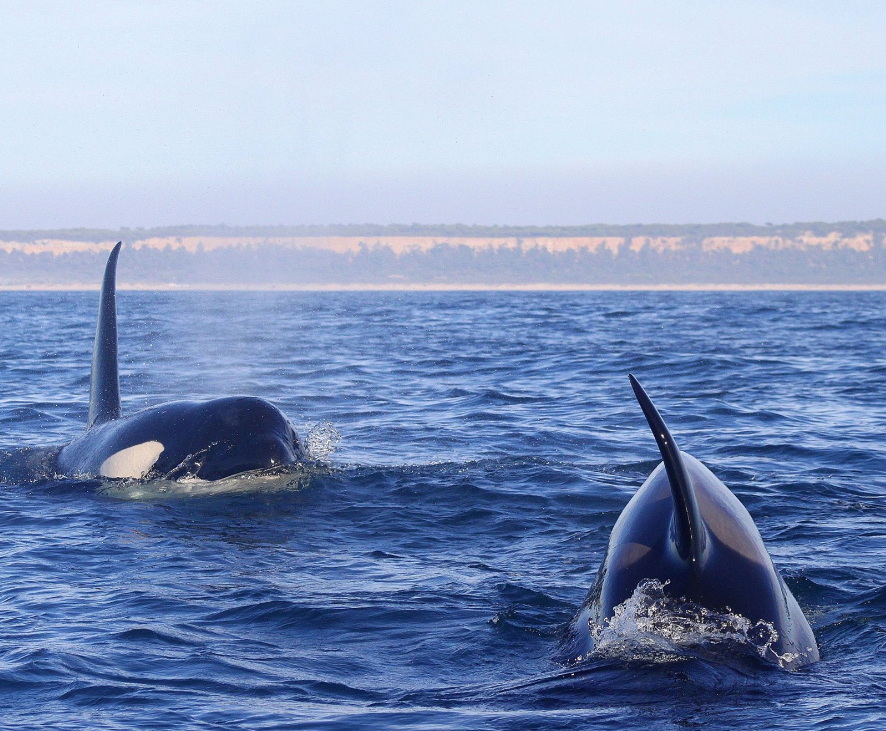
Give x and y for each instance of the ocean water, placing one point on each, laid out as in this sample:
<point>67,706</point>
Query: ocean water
<point>473,451</point>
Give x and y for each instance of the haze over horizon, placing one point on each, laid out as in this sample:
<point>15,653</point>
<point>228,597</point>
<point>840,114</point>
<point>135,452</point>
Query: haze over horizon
<point>134,114</point>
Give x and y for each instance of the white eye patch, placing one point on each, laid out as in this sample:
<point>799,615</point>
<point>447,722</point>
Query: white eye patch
<point>133,461</point>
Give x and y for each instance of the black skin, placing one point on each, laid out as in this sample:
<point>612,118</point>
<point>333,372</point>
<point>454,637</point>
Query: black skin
<point>209,439</point>
<point>733,572</point>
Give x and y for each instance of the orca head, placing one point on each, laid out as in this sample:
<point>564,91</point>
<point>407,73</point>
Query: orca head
<point>212,440</point>
<point>243,434</point>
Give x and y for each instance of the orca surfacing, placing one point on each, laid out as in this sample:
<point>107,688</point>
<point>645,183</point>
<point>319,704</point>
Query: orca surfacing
<point>210,440</point>
<point>685,531</point>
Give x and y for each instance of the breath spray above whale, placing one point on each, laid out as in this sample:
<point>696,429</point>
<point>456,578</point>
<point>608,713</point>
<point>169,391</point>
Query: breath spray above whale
<point>686,532</point>
<point>207,439</point>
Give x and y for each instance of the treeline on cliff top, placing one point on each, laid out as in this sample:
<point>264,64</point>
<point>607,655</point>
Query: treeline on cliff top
<point>690,231</point>
<point>443,264</point>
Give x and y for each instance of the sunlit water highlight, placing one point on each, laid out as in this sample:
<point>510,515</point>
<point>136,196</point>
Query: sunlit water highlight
<point>473,452</point>
<point>655,627</point>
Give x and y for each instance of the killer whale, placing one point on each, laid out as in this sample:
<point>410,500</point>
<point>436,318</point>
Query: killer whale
<point>210,440</point>
<point>686,530</point>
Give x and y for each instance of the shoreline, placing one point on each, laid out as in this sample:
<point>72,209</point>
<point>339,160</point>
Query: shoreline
<point>445,287</point>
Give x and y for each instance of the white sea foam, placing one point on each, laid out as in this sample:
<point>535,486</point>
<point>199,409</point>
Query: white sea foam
<point>653,626</point>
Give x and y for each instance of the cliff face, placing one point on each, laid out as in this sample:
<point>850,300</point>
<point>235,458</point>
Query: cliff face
<point>400,245</point>
<point>845,255</point>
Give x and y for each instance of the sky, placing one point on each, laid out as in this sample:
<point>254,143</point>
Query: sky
<point>152,113</point>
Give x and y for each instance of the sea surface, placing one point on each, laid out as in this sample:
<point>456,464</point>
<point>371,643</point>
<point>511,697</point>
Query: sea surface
<point>472,452</point>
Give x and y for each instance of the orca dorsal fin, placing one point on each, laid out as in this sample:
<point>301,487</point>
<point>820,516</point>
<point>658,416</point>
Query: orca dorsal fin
<point>104,391</point>
<point>689,534</point>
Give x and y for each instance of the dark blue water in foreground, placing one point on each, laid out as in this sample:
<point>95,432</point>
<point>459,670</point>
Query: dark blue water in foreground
<point>422,575</point>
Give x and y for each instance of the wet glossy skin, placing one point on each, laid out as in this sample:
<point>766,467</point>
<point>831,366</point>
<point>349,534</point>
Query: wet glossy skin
<point>208,439</point>
<point>733,572</point>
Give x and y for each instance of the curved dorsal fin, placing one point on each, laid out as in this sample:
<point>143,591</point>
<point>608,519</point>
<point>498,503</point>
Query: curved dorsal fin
<point>688,525</point>
<point>104,392</point>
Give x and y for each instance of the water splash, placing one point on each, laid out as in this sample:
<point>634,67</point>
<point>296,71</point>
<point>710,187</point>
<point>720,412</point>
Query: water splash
<point>321,441</point>
<point>275,479</point>
<point>654,627</point>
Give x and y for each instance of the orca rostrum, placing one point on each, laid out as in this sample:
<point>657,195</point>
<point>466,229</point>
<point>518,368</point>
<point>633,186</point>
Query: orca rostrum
<point>204,439</point>
<point>687,532</point>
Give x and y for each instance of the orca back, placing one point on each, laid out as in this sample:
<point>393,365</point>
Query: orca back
<point>687,531</point>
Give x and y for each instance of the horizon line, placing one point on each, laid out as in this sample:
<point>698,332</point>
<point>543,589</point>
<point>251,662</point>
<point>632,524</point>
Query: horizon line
<point>419,287</point>
<point>420,225</point>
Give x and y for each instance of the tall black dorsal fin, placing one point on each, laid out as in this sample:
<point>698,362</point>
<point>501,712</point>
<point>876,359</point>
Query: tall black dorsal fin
<point>688,526</point>
<point>104,393</point>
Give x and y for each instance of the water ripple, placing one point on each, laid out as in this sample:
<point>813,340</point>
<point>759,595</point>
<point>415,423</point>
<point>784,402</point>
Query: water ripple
<point>473,452</point>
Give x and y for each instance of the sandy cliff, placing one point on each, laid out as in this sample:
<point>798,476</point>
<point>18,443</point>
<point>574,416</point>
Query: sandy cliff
<point>407,244</point>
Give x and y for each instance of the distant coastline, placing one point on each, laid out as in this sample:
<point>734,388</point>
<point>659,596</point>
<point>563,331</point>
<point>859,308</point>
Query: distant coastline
<point>541,287</point>
<point>814,256</point>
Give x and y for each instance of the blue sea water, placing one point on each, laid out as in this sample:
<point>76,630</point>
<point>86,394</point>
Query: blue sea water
<point>422,574</point>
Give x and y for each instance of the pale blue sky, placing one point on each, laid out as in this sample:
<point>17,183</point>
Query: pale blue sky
<point>152,113</point>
